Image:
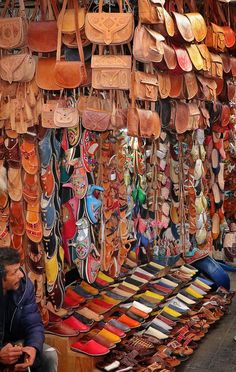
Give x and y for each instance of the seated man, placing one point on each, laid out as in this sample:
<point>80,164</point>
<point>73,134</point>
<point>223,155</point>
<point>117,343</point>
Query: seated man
<point>21,327</point>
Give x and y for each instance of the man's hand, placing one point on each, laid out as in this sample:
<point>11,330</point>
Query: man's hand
<point>30,354</point>
<point>9,354</point>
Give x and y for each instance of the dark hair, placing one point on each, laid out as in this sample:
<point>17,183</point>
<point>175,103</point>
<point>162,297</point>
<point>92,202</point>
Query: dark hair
<point>8,256</point>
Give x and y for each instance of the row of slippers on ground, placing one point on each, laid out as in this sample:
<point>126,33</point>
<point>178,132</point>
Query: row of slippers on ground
<point>133,316</point>
<point>164,350</point>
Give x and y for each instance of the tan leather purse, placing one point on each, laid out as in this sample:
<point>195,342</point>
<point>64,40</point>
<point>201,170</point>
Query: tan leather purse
<point>44,77</point>
<point>145,86</point>
<point>13,30</point>
<point>143,123</point>
<point>109,28</point>
<point>96,113</point>
<point>66,114</point>
<point>47,115</point>
<point>42,35</point>
<point>111,71</point>
<point>69,74</point>
<point>17,67</point>
<point>147,45</point>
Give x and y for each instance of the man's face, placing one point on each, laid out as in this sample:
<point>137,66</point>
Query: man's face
<point>13,275</point>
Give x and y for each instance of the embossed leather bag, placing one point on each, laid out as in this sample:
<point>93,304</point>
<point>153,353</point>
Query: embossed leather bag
<point>47,115</point>
<point>215,37</point>
<point>96,114</point>
<point>42,35</point>
<point>13,30</point>
<point>65,115</point>
<point>17,67</point>
<point>111,71</point>
<point>69,74</point>
<point>109,28</point>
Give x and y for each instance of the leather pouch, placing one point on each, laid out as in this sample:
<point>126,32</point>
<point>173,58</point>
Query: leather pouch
<point>47,116</point>
<point>13,30</point>
<point>111,72</point>
<point>44,77</point>
<point>207,88</point>
<point>109,28</point>
<point>17,67</point>
<point>66,117</point>
<point>97,120</point>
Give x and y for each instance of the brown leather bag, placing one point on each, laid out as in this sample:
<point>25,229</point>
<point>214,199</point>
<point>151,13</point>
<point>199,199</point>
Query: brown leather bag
<point>111,71</point>
<point>206,88</point>
<point>195,56</point>
<point>145,86</point>
<point>216,69</point>
<point>147,45</point>
<point>205,56</point>
<point>47,115</point>
<point>65,116</point>
<point>44,77</point>
<point>151,12</point>
<point>191,85</point>
<point>164,83</point>
<point>97,120</point>
<point>215,37</point>
<point>42,35</point>
<point>17,67</point>
<point>13,30</point>
<point>69,74</point>
<point>109,28</point>
<point>143,123</point>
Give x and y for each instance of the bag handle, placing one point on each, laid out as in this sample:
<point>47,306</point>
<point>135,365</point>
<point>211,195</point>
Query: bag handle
<point>7,7</point>
<point>101,2</point>
<point>44,6</point>
<point>77,31</point>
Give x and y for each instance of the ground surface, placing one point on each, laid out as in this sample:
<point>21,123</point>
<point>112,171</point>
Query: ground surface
<point>217,351</point>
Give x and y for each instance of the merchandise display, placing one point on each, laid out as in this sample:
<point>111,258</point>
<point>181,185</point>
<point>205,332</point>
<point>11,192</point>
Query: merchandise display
<point>117,170</point>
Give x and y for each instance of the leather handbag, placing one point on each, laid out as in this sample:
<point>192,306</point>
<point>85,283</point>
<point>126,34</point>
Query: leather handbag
<point>13,30</point>
<point>215,37</point>
<point>42,35</point>
<point>67,19</point>
<point>111,71</point>
<point>147,45</point>
<point>66,114</point>
<point>206,88</point>
<point>143,123</point>
<point>145,86</point>
<point>96,114</point>
<point>69,74</point>
<point>151,12</point>
<point>109,28</point>
<point>17,67</point>
<point>47,115</point>
<point>44,77</point>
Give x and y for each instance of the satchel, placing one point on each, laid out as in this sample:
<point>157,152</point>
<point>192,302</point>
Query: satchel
<point>111,72</point>
<point>109,28</point>
<point>42,35</point>
<point>44,77</point>
<point>47,115</point>
<point>96,120</point>
<point>66,115</point>
<point>147,45</point>
<point>69,74</point>
<point>17,67</point>
<point>215,37</point>
<point>143,123</point>
<point>13,30</point>
<point>145,86</point>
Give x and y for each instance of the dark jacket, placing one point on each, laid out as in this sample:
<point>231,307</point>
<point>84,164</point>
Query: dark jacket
<point>24,321</point>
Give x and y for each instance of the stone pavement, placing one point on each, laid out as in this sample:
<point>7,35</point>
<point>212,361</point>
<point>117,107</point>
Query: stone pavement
<point>217,350</point>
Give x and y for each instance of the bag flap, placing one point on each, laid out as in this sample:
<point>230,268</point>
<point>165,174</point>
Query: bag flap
<point>216,58</point>
<point>66,117</point>
<point>111,61</point>
<point>44,77</point>
<point>182,111</point>
<point>158,37</point>
<point>96,119</point>
<point>183,59</point>
<point>217,28</point>
<point>11,63</point>
<point>68,22</point>
<point>110,24</point>
<point>42,36</point>
<point>191,84</point>
<point>195,56</point>
<point>198,25</point>
<point>193,109</point>
<point>146,78</point>
<point>69,74</point>
<point>184,26</point>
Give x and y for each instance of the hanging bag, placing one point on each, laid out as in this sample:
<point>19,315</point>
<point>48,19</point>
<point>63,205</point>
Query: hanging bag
<point>42,35</point>
<point>13,30</point>
<point>109,28</point>
<point>69,74</point>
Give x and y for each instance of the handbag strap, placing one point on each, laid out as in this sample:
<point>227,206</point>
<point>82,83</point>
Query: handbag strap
<point>101,2</point>
<point>45,6</point>
<point>7,7</point>
<point>77,31</point>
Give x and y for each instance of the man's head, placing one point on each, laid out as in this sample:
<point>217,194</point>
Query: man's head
<point>10,269</point>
